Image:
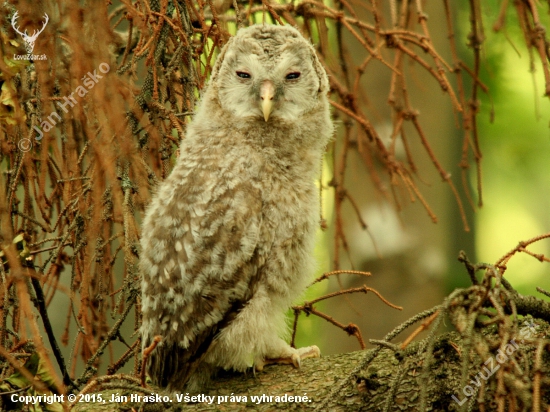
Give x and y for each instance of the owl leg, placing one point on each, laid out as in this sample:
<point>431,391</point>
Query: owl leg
<point>294,357</point>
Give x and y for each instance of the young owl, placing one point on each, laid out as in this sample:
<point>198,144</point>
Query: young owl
<point>227,241</point>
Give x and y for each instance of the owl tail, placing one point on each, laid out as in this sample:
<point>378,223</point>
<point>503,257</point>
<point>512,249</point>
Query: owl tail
<point>171,366</point>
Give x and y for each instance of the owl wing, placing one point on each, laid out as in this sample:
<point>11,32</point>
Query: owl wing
<point>207,275</point>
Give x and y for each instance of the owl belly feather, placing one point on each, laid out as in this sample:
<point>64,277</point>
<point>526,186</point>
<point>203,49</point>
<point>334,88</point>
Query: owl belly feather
<point>226,251</point>
<point>290,219</point>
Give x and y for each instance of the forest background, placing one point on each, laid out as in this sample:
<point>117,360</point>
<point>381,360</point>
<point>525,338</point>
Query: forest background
<point>442,145</point>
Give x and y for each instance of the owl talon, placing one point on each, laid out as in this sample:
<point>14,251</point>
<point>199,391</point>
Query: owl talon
<point>309,352</point>
<point>295,359</point>
<point>259,365</point>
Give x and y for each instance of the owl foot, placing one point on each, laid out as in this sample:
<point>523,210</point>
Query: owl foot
<point>294,359</point>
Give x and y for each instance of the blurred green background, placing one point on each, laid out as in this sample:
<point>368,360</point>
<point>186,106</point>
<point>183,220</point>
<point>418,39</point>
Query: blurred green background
<point>516,154</point>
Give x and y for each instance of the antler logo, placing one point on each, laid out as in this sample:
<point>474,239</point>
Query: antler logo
<point>29,40</point>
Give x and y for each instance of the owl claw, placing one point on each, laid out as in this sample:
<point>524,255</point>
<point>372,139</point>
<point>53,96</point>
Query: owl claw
<point>309,352</point>
<point>294,359</point>
<point>259,365</point>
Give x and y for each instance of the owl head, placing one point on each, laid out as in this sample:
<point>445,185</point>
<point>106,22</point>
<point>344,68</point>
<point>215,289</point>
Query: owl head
<point>268,73</point>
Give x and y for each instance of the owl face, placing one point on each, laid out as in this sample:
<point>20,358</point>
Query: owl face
<point>269,73</point>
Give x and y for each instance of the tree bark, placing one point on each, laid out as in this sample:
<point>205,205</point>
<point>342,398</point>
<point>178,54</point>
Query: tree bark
<point>392,381</point>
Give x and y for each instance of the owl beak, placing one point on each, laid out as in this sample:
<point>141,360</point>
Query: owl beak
<point>267,92</point>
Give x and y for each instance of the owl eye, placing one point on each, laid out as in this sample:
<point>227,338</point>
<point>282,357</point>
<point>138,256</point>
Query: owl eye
<point>292,76</point>
<point>243,75</point>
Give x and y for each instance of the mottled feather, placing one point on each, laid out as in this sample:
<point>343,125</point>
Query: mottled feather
<point>227,241</point>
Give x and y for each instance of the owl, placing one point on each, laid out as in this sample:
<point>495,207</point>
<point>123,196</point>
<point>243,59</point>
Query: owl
<point>228,238</point>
